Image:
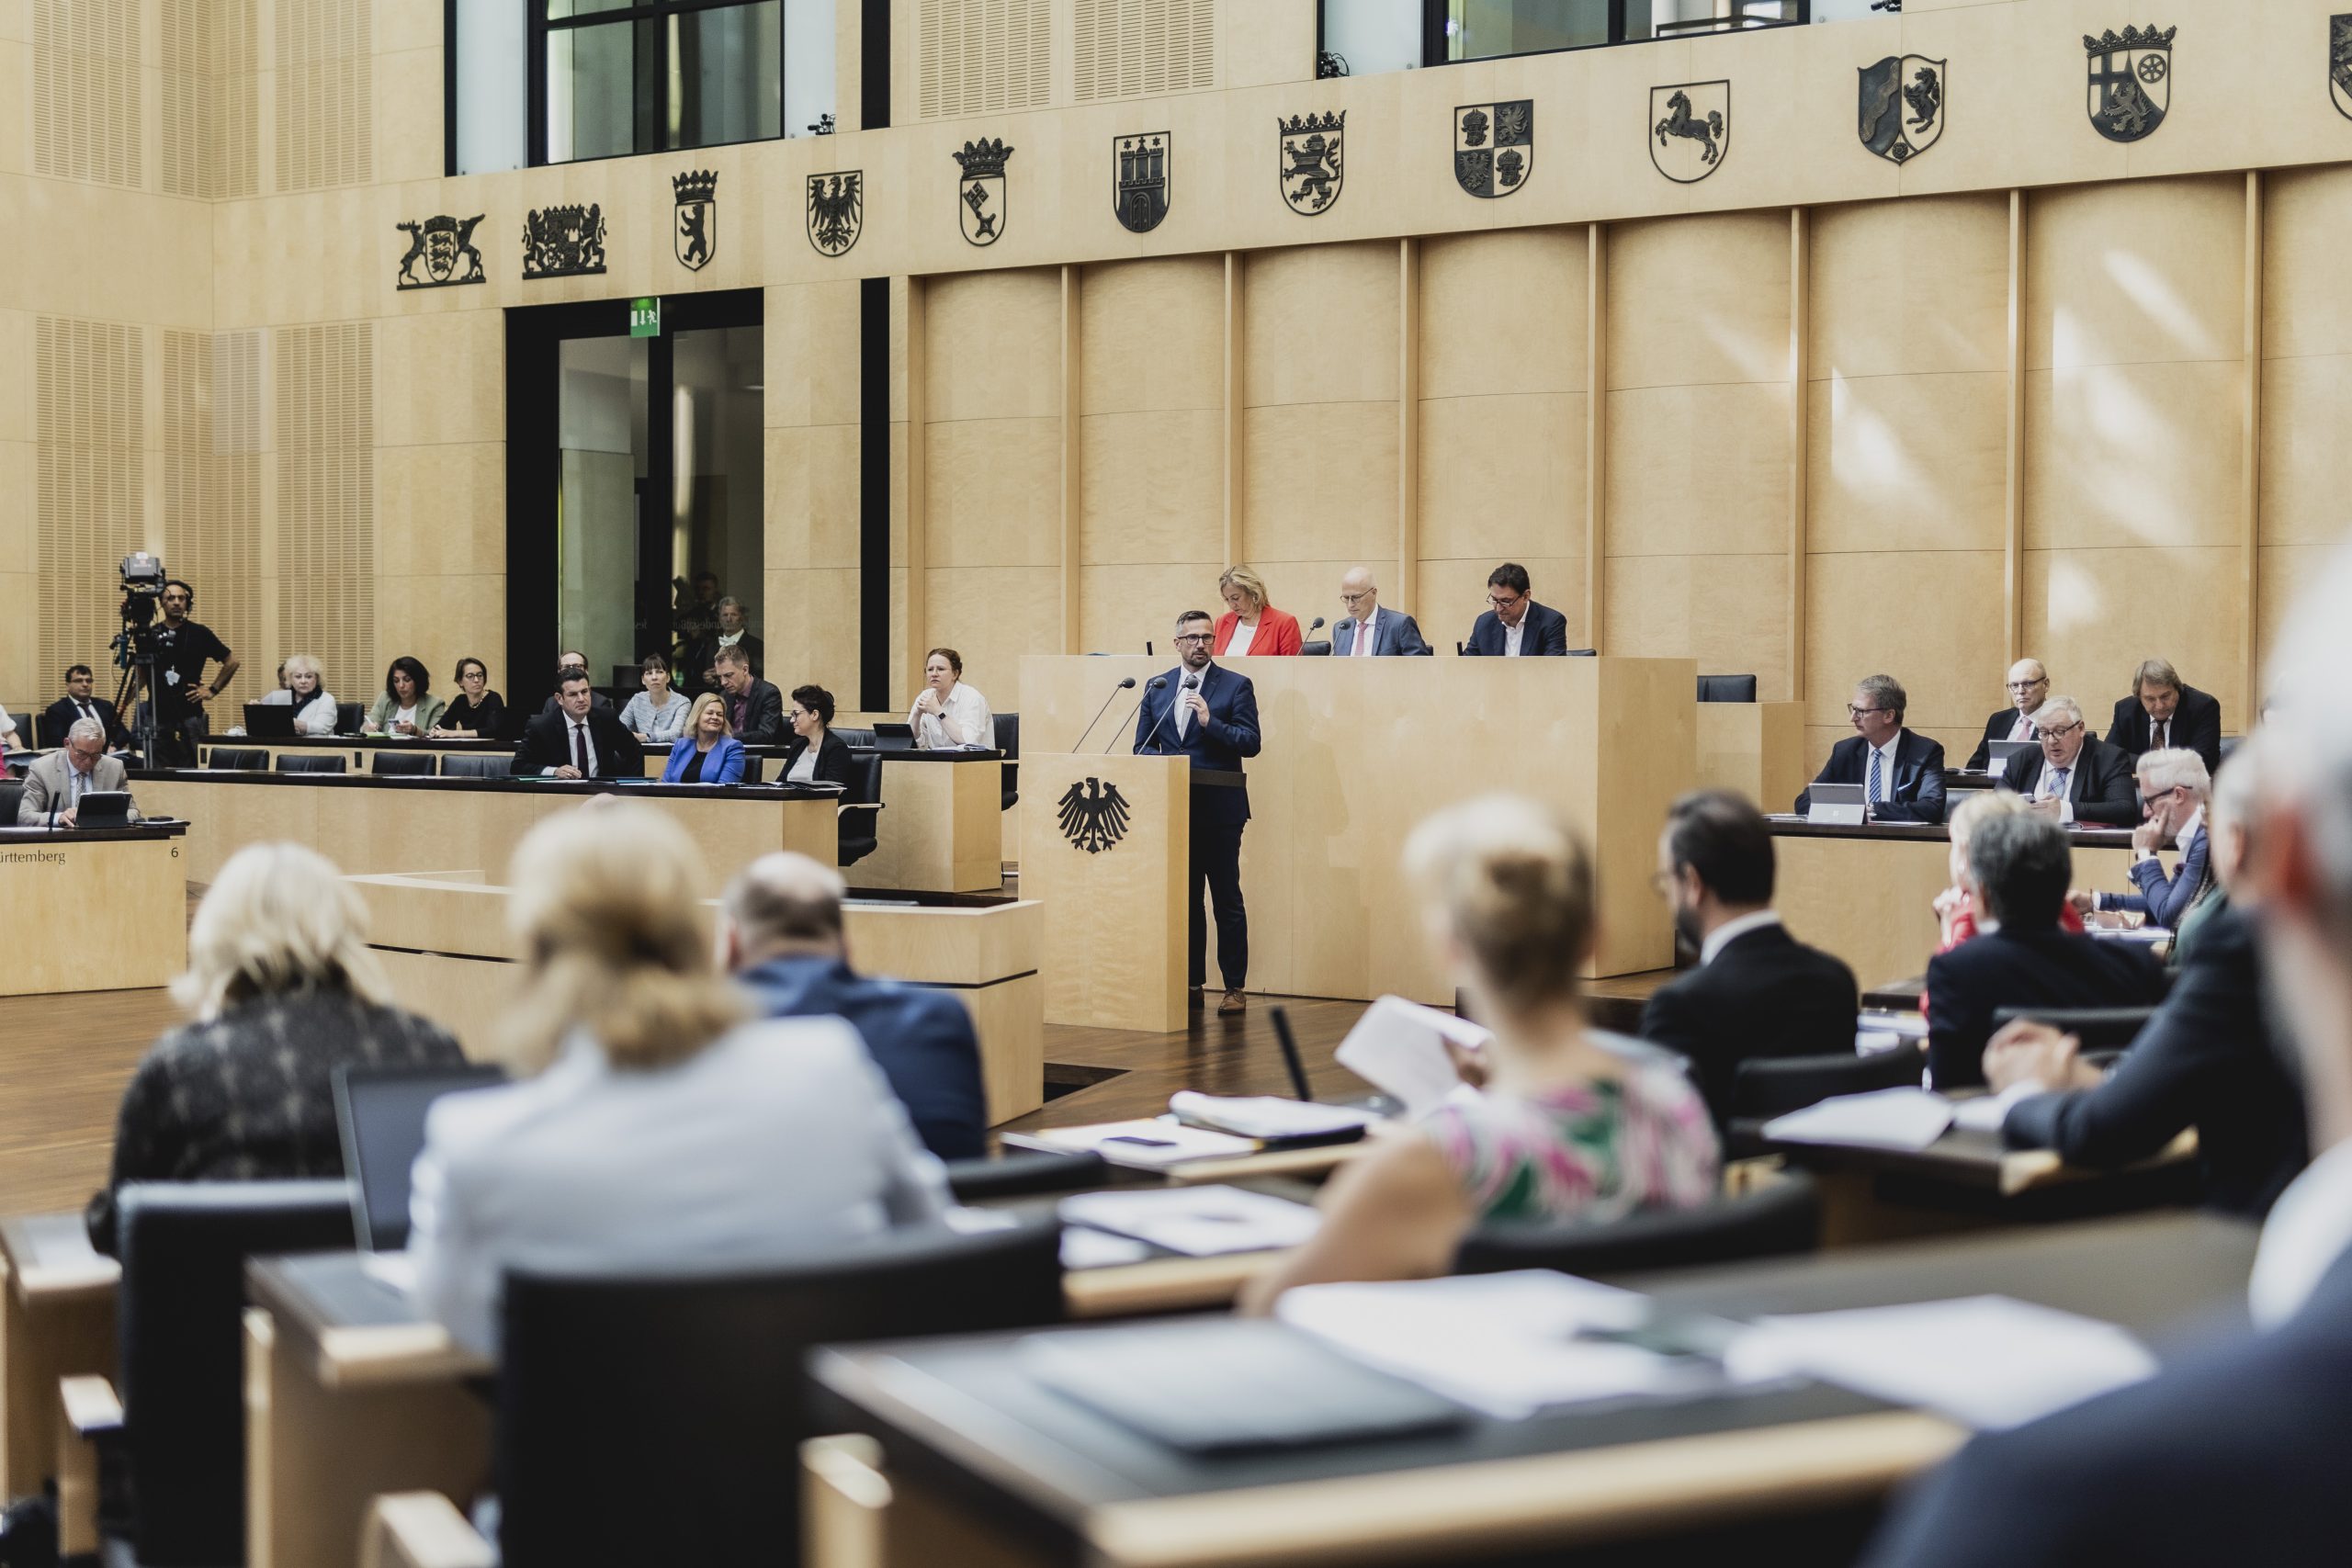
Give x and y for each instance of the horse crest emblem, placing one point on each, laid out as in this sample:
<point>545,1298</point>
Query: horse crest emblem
<point>694,232</point>
<point>1494,147</point>
<point>442,244</point>
<point>1902,106</point>
<point>563,242</point>
<point>836,210</point>
<point>1093,816</point>
<point>1139,176</point>
<point>980,194</point>
<point>1310,166</point>
<point>1693,129</point>
<point>2131,81</point>
<point>2339,63</point>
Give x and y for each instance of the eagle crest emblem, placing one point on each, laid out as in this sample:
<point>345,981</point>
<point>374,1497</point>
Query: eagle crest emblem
<point>1093,816</point>
<point>836,210</point>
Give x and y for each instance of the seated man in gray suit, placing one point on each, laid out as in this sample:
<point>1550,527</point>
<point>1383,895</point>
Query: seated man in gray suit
<point>1390,631</point>
<point>54,788</point>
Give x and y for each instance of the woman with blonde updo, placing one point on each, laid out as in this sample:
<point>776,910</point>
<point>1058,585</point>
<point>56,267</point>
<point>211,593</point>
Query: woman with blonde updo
<point>661,1131</point>
<point>1250,625</point>
<point>1571,1122</point>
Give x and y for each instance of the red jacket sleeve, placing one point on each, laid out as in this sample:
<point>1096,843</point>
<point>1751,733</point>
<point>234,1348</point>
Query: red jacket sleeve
<point>1280,630</point>
<point>1225,624</point>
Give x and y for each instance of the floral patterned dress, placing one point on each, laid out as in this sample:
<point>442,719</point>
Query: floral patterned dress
<point>1596,1150</point>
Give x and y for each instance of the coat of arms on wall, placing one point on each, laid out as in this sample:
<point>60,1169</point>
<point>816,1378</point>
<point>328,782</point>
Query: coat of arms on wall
<point>2131,81</point>
<point>694,229</point>
<point>836,210</point>
<point>980,194</point>
<point>2339,61</point>
<point>563,242</point>
<point>1140,178</point>
<point>1690,131</point>
<point>1093,816</point>
<point>1902,106</point>
<point>1494,146</point>
<point>446,246</point>
<point>1311,167</point>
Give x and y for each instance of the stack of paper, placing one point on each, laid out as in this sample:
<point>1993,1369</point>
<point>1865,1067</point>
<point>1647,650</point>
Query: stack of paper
<point>1199,1222</point>
<point>1885,1119</point>
<point>1152,1144</point>
<point>1266,1116</point>
<point>1399,1047</point>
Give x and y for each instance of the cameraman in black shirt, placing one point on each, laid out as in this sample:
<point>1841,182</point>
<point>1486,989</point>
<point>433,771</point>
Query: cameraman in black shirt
<point>183,648</point>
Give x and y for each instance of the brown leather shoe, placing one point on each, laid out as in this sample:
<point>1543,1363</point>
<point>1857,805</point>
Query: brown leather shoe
<point>1234,1005</point>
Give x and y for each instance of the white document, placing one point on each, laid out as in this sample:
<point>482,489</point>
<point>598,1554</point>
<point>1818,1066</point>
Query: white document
<point>1265,1115</point>
<point>1399,1047</point>
<point>395,1270</point>
<point>1199,1222</point>
<point>1503,1344</point>
<point>1883,1119</point>
<point>1083,1248</point>
<point>1987,1361</point>
<point>1152,1144</point>
<point>1985,1113</point>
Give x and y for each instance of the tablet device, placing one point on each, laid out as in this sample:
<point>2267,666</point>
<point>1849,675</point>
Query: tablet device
<point>380,1115</point>
<point>894,738</point>
<point>103,808</point>
<point>2000,751</point>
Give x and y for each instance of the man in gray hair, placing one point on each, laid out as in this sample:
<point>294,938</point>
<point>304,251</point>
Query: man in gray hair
<point>55,785</point>
<point>2073,776</point>
<point>1901,770</point>
<point>2174,790</point>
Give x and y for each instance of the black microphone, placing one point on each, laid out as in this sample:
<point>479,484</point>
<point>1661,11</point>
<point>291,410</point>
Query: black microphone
<point>1103,709</point>
<point>1158,681</point>
<point>1315,628</point>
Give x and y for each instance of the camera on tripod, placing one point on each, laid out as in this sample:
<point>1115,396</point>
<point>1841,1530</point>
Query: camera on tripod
<point>142,585</point>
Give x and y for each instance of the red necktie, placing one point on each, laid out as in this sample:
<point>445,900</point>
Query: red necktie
<point>580,748</point>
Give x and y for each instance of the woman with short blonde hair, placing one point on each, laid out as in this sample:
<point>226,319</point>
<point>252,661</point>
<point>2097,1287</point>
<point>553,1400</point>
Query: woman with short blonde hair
<point>282,990</point>
<point>1250,625</point>
<point>305,690</point>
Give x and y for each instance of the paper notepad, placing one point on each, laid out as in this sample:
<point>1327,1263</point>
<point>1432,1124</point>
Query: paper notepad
<point>1399,1047</point>
<point>1267,1116</point>
<point>1199,1222</point>
<point>1152,1144</point>
<point>1885,1119</point>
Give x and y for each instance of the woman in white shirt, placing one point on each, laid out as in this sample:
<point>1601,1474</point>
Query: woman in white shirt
<point>949,713</point>
<point>656,716</point>
<point>668,1133</point>
<point>306,692</point>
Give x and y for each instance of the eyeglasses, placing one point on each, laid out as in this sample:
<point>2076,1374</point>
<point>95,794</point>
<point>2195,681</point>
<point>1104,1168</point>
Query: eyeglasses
<point>2149,802</point>
<point>1195,637</point>
<point>2029,686</point>
<point>1853,712</point>
<point>2057,731</point>
<point>1503,603</point>
<point>1347,598</point>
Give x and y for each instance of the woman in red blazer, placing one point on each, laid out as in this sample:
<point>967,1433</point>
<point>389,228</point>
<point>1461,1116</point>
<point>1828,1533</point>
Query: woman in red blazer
<point>1272,631</point>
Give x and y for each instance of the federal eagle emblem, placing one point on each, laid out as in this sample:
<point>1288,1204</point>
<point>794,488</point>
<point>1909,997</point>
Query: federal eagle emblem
<point>441,242</point>
<point>836,210</point>
<point>1093,816</point>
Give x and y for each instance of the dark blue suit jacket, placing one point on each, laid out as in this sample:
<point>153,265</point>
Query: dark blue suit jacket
<point>1917,791</point>
<point>2231,1456</point>
<point>1546,634</point>
<point>1229,734</point>
<point>921,1039</point>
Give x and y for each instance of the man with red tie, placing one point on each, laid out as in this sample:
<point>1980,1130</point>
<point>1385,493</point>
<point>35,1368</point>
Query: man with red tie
<point>2029,689</point>
<point>578,740</point>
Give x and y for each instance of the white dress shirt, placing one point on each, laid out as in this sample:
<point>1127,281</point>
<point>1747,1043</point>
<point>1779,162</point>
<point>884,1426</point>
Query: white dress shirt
<point>1511,636</point>
<point>804,767</point>
<point>2309,1229</point>
<point>968,708</point>
<point>777,1141</point>
<point>1730,931</point>
<point>571,753</point>
<point>1362,647</point>
<point>1885,769</point>
<point>1180,718</point>
<point>2043,790</point>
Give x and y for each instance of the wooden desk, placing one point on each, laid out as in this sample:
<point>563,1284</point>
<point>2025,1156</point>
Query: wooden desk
<point>1037,1479</point>
<point>98,910</point>
<point>1868,894</point>
<point>56,1320</point>
<point>369,824</point>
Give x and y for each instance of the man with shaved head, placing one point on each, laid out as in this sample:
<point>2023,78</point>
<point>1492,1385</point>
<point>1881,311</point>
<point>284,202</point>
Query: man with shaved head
<point>1368,630</point>
<point>2029,689</point>
<point>782,938</point>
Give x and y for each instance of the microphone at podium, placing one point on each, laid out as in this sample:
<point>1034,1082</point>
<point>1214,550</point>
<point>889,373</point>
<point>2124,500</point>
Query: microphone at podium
<point>1090,723</point>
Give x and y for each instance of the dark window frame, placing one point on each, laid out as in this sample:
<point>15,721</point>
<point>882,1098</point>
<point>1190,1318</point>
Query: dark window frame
<point>1434,18</point>
<point>647,16</point>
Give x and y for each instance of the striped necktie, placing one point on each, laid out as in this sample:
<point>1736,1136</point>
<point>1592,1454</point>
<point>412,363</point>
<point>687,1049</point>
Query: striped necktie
<point>1875,793</point>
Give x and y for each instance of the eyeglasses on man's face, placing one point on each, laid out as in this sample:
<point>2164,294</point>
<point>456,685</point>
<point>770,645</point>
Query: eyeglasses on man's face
<point>1504,602</point>
<point>2059,731</point>
<point>1183,639</point>
<point>2029,686</point>
<point>1853,712</point>
<point>1347,598</point>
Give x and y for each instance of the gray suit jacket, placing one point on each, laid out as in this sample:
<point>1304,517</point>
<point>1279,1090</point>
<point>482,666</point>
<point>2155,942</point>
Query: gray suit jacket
<point>45,788</point>
<point>1394,633</point>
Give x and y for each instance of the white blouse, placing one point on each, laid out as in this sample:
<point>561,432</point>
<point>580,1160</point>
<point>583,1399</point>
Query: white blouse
<point>1244,634</point>
<point>969,712</point>
<point>804,767</point>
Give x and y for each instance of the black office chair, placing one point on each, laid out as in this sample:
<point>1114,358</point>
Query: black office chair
<point>12,794</point>
<point>859,821</point>
<point>2100,1029</point>
<point>180,1342</point>
<point>1584,653</point>
<point>311,763</point>
<point>1015,1175</point>
<point>405,764</point>
<point>856,740</point>
<point>753,769</point>
<point>658,1420</point>
<point>1726,688</point>
<point>1779,1218</point>
<point>349,717</point>
<point>1008,740</point>
<point>1764,1087</point>
<point>1319,649</point>
<point>467,765</point>
<point>237,758</point>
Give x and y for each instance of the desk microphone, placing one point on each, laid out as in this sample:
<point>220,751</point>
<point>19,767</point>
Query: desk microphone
<point>1190,682</point>
<point>1315,628</point>
<point>1101,711</point>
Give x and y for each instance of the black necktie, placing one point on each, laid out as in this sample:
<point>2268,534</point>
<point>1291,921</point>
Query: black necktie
<point>580,748</point>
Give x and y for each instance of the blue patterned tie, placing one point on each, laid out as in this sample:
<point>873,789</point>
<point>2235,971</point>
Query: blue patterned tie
<point>1875,786</point>
<point>2058,783</point>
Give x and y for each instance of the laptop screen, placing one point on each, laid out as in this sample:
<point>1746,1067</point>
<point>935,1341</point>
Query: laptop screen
<point>379,1111</point>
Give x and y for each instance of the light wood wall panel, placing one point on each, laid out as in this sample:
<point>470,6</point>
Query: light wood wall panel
<point>1908,446</point>
<point>1150,506</point>
<point>1696,495</point>
<point>814,449</point>
<point>1503,406</point>
<point>1318,456</point>
<point>992,470</point>
<point>2305,459</point>
<point>2134,295</point>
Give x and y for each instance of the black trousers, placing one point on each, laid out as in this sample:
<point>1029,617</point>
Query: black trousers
<point>1216,869</point>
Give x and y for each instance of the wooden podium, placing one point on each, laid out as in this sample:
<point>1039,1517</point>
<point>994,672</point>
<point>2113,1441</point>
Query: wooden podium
<point>1106,846</point>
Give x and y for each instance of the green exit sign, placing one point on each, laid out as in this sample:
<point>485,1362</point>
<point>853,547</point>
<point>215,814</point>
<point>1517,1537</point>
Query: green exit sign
<point>645,318</point>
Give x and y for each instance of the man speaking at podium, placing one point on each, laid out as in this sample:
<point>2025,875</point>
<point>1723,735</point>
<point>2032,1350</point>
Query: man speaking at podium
<point>1210,715</point>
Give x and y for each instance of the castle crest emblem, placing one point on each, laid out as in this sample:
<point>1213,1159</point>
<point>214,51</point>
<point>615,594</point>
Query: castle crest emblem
<point>1139,179</point>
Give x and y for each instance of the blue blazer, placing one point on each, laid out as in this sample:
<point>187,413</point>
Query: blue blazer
<point>2164,899</point>
<point>1916,793</point>
<point>1229,734</point>
<point>923,1040</point>
<point>1546,634</point>
<point>724,765</point>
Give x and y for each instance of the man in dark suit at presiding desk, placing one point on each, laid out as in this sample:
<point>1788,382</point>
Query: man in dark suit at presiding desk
<point>1758,991</point>
<point>1210,714</point>
<point>578,740</point>
<point>1392,632</point>
<point>1901,770</point>
<point>785,945</point>
<point>2162,711</point>
<point>2074,776</point>
<point>1515,625</point>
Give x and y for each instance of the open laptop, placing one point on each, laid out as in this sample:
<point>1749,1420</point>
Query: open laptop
<point>270,721</point>
<point>380,1115</point>
<point>894,738</point>
<point>2000,751</point>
